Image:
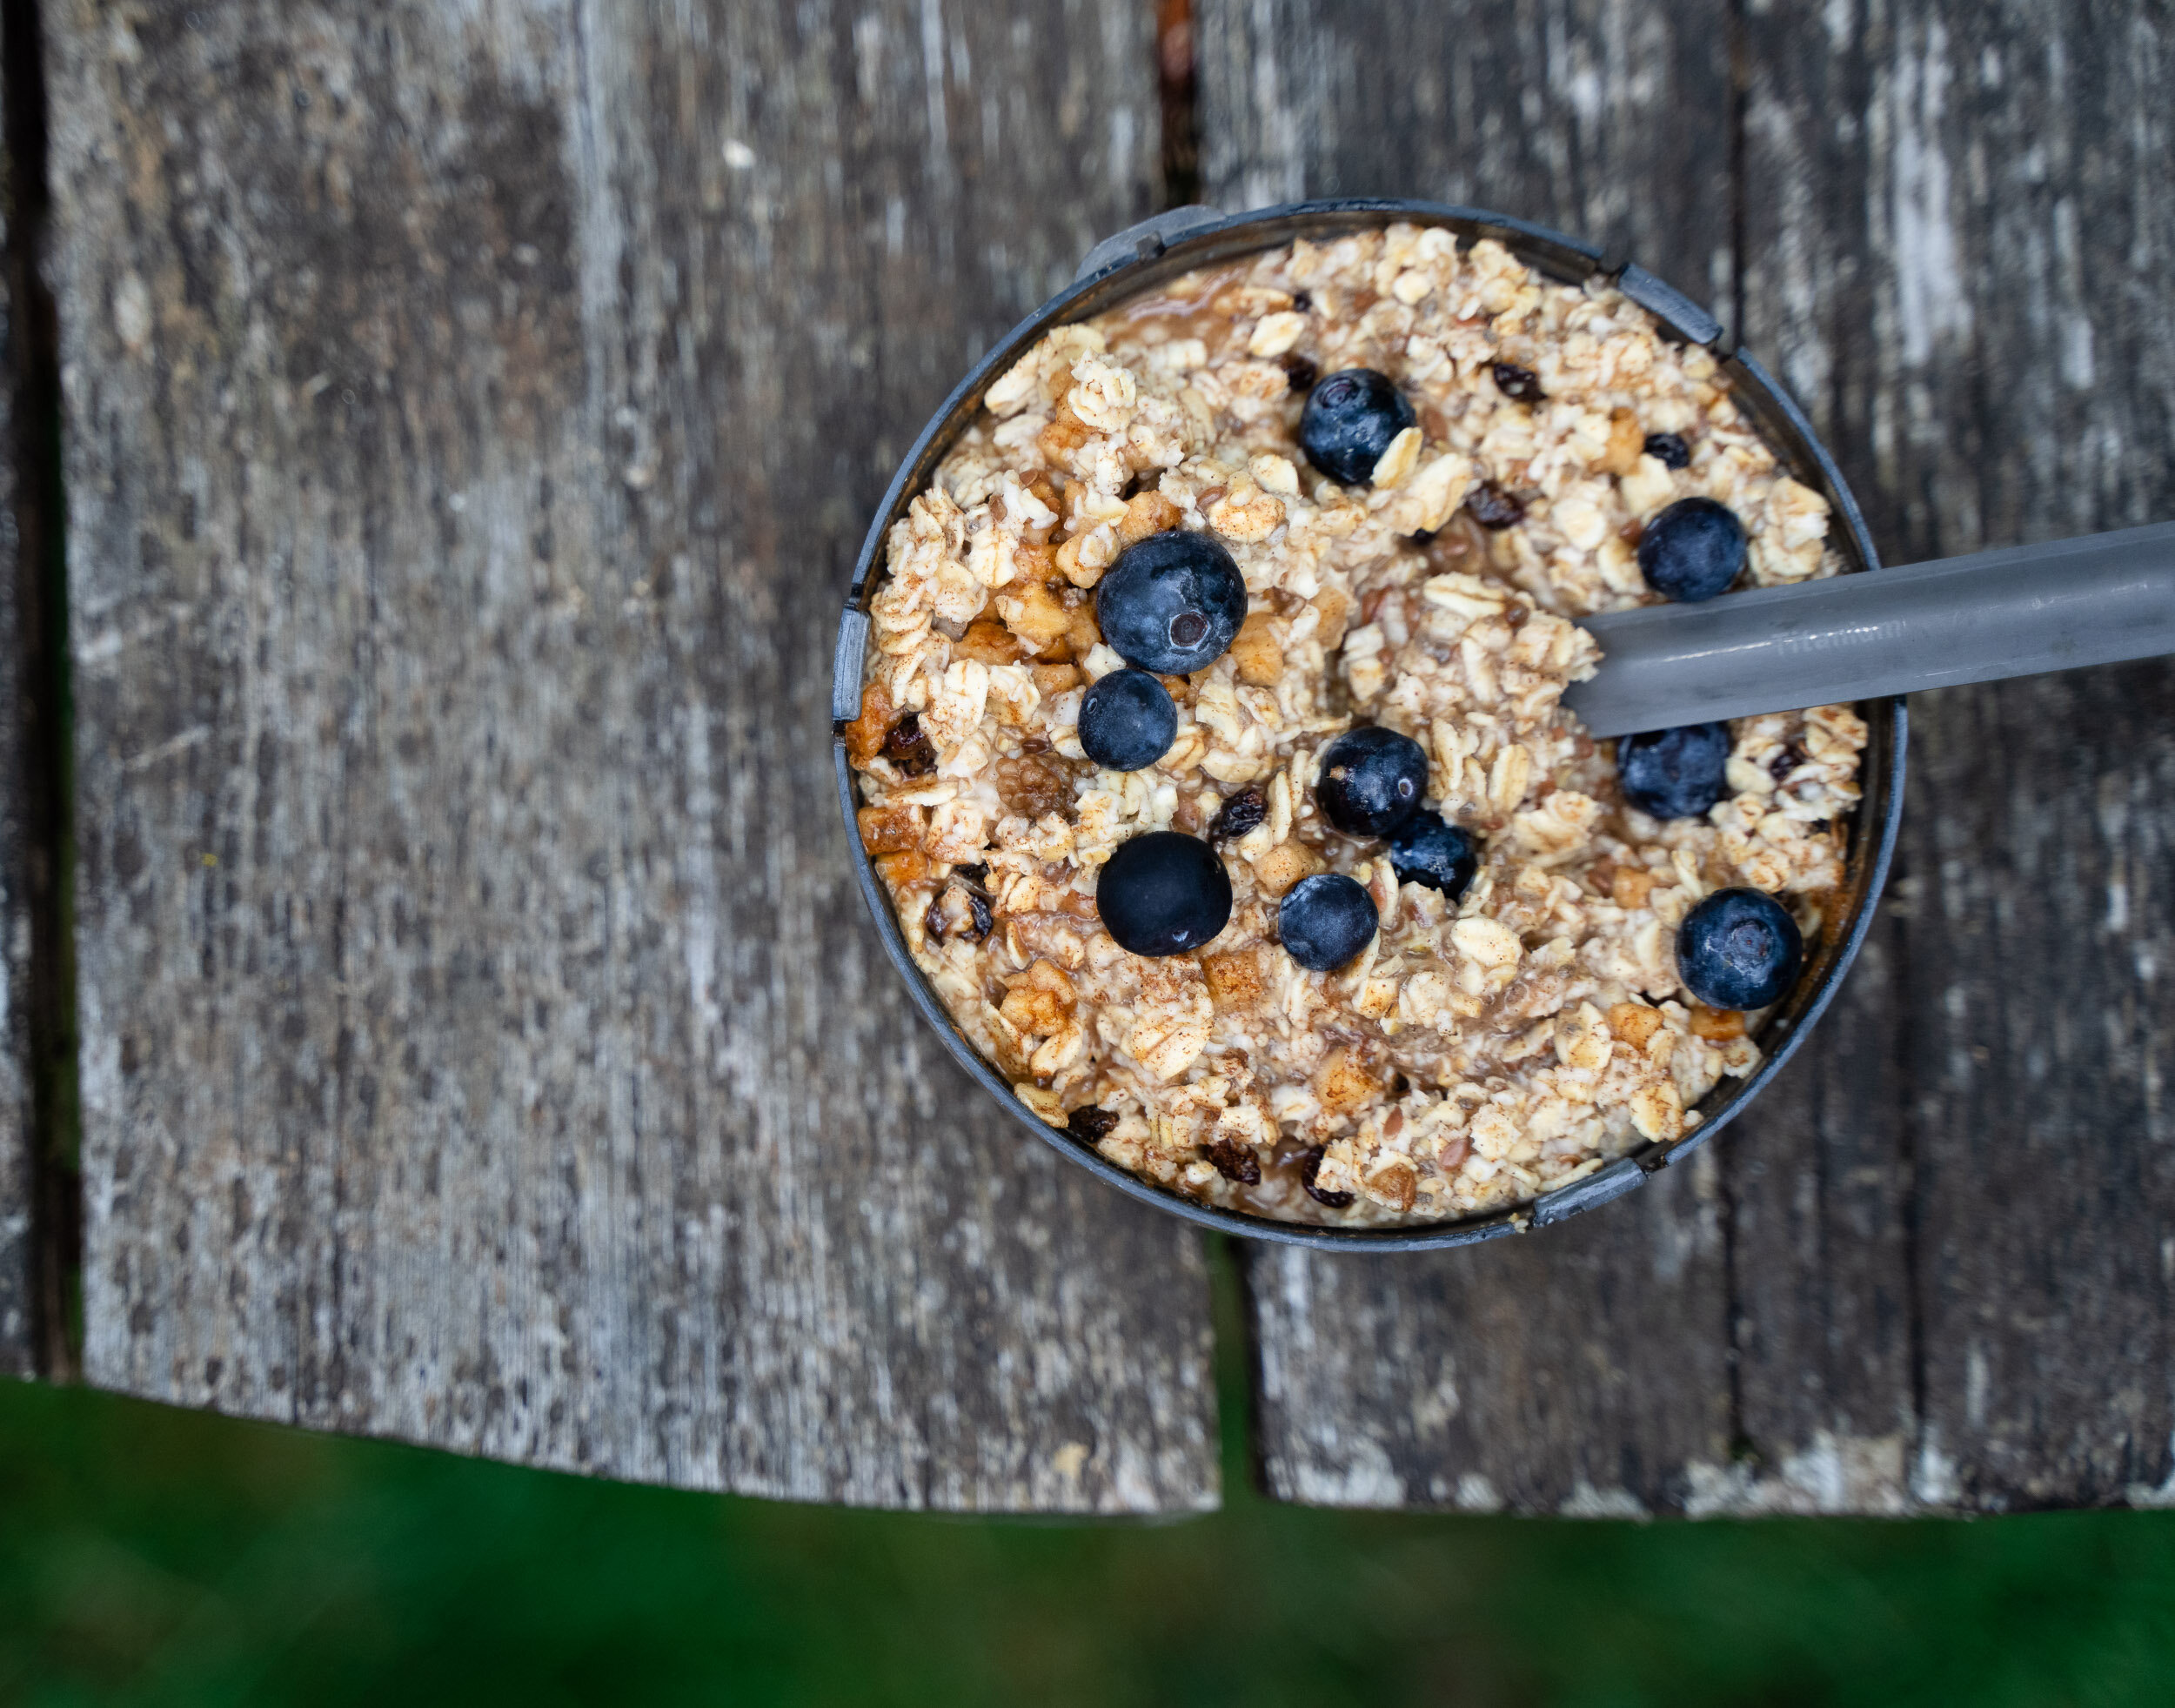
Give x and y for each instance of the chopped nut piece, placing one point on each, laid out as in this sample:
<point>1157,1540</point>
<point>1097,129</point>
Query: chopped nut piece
<point>889,829</point>
<point>1235,980</point>
<point>1246,513</point>
<point>1626,443</point>
<point>1034,614</point>
<point>1634,1022</point>
<point>1343,1083</point>
<point>865,735</point>
<point>1259,659</point>
<point>1630,886</point>
<point>1148,513</point>
<point>1717,1026</point>
<point>1396,1184</point>
<point>909,865</point>
<point>1282,866</point>
<point>989,641</point>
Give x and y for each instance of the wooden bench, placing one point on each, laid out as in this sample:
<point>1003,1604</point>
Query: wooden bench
<point>468,424</point>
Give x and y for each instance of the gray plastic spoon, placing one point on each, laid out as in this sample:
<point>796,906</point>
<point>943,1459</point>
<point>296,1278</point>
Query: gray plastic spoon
<point>2016,611</point>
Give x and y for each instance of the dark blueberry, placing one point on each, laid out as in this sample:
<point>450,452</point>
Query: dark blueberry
<point>1172,603</point>
<point>1692,551</point>
<point>1517,384</point>
<point>1494,506</point>
<point>1371,780</point>
<point>1675,773</point>
<point>1739,949</point>
<point>907,747</point>
<point>1300,372</point>
<point>1325,920</point>
<point>1163,893</point>
<point>1669,450</point>
<point>1309,1171</point>
<point>1238,816</point>
<point>1234,1162</point>
<point>1089,1124</point>
<point>1350,419</point>
<point>1428,851</point>
<point>1127,721</point>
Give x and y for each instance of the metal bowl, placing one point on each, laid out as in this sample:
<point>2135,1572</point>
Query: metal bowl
<point>1161,249</point>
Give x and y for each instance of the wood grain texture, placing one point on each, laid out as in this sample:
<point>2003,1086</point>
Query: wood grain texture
<point>472,416</point>
<point>18,607</point>
<point>1586,1369</point>
<point>1962,240</point>
<point>1933,1268</point>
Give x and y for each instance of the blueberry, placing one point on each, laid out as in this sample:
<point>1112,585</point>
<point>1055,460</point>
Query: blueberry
<point>1675,773</point>
<point>1163,893</point>
<point>1172,603</point>
<point>1325,920</point>
<point>1127,721</point>
<point>1739,949</point>
<point>1692,551</point>
<point>1426,850</point>
<point>1371,780</point>
<point>1350,419</point>
<point>1669,450</point>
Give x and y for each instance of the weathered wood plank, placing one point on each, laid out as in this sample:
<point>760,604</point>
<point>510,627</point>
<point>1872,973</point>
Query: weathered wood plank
<point>472,416</point>
<point>1962,236</point>
<point>18,612</point>
<point>1586,1370</point>
<point>1944,1234</point>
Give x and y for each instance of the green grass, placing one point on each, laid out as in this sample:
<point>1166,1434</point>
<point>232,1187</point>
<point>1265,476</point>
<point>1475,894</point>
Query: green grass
<point>150,1555</point>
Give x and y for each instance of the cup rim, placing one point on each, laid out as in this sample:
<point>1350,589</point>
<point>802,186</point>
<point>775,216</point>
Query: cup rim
<point>1566,259</point>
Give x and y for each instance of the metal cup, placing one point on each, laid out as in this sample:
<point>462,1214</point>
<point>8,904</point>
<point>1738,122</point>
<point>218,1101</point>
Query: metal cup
<point>1160,249</point>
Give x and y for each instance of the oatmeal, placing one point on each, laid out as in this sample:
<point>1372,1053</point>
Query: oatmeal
<point>1303,542</point>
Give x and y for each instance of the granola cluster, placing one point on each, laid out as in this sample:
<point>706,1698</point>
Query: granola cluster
<point>1480,1051</point>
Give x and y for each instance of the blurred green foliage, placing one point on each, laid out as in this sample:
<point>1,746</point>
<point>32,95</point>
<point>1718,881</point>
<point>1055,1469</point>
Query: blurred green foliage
<point>150,1555</point>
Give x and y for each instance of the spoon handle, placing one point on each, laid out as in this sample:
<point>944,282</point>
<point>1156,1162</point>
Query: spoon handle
<point>2015,612</point>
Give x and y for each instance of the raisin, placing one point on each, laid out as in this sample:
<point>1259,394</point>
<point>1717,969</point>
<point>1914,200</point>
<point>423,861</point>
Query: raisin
<point>1668,449</point>
<point>1090,1125</point>
<point>1517,384</point>
<point>1786,762</point>
<point>1300,372</point>
<point>976,875</point>
<point>1424,539</point>
<point>1238,816</point>
<point>981,918</point>
<point>1309,1168</point>
<point>908,748</point>
<point>1494,506</point>
<point>1303,302</point>
<point>1234,1162</point>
